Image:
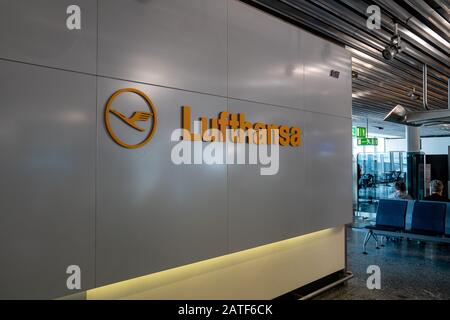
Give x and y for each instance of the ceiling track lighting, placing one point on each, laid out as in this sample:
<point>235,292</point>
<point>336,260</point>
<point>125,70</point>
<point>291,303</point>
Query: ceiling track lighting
<point>413,95</point>
<point>395,46</point>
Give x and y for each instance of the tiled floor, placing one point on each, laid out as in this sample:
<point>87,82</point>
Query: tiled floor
<point>409,270</point>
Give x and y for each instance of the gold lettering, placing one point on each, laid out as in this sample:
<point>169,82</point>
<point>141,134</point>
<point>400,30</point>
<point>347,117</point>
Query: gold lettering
<point>186,111</point>
<point>187,133</point>
<point>296,138</point>
<point>245,126</point>
<point>242,131</point>
<point>272,135</point>
<point>284,136</point>
<point>261,133</point>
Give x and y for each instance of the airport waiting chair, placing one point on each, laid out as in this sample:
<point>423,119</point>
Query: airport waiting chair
<point>390,217</point>
<point>429,218</point>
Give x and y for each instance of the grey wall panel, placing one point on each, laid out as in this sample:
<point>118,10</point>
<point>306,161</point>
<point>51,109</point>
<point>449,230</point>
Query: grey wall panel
<point>265,209</point>
<point>175,43</point>
<point>152,214</point>
<point>265,63</point>
<point>47,138</point>
<point>323,93</point>
<point>328,170</point>
<point>36,32</point>
<point>312,190</point>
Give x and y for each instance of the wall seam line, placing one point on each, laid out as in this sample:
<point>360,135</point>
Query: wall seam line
<point>178,89</point>
<point>96,153</point>
<point>228,109</point>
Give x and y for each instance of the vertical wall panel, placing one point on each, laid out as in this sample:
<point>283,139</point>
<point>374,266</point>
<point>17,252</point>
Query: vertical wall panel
<point>328,170</point>
<point>47,141</point>
<point>265,62</point>
<point>323,93</point>
<point>153,214</point>
<point>175,43</point>
<point>36,32</point>
<point>269,208</point>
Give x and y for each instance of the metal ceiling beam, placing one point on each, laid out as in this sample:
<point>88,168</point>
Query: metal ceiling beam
<point>360,21</point>
<point>405,69</point>
<point>445,8</point>
<point>356,37</point>
<point>414,23</point>
<point>396,75</point>
<point>396,88</point>
<point>432,16</point>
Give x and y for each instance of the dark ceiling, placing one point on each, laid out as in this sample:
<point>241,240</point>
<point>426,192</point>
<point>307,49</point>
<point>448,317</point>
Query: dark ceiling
<point>424,26</point>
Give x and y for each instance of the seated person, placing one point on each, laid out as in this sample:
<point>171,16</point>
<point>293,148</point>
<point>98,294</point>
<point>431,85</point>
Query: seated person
<point>400,191</point>
<point>437,189</point>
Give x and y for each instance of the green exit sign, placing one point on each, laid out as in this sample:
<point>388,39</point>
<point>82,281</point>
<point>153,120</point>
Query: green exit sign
<point>359,132</point>
<point>367,141</point>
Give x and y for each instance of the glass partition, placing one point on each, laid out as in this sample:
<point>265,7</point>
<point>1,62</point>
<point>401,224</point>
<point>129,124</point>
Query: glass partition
<point>378,173</point>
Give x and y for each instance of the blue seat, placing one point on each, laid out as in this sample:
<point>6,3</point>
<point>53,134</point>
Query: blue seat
<point>429,218</point>
<point>390,215</point>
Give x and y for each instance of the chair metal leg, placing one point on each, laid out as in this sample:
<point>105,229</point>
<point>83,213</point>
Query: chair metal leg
<point>376,240</point>
<point>366,239</point>
<point>381,241</point>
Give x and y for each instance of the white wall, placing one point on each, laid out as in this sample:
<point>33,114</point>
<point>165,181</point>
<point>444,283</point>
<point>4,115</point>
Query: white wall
<point>395,145</point>
<point>435,146</point>
<point>430,146</point>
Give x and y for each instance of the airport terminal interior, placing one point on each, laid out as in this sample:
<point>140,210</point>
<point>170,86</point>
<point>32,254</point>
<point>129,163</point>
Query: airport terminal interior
<point>225,149</point>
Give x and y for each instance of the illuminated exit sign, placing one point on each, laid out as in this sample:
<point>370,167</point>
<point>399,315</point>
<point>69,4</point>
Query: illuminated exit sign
<point>359,132</point>
<point>367,141</point>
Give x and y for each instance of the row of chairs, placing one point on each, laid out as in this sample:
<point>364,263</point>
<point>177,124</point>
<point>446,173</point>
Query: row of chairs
<point>421,220</point>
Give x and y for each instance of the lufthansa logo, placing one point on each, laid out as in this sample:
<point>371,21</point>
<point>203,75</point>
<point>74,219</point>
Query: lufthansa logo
<point>139,120</point>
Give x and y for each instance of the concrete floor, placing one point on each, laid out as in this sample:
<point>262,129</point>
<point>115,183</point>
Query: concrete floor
<point>409,270</point>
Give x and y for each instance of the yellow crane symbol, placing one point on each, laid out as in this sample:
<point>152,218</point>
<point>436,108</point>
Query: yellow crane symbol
<point>135,117</point>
